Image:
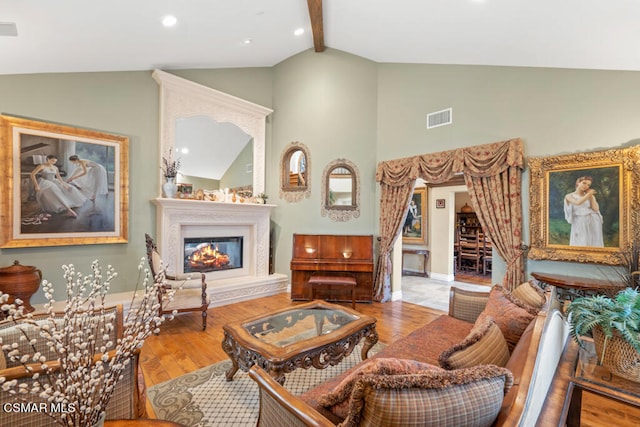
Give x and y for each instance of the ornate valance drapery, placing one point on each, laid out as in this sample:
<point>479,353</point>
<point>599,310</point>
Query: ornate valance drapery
<point>488,169</point>
<point>479,161</point>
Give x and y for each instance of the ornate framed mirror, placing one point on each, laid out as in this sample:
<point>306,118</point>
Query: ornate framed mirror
<point>212,123</point>
<point>295,176</point>
<point>340,190</point>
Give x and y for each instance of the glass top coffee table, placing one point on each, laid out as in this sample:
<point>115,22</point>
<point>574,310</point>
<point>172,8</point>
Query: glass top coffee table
<point>315,334</point>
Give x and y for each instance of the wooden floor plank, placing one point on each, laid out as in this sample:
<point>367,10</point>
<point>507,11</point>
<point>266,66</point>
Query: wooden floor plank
<point>183,347</point>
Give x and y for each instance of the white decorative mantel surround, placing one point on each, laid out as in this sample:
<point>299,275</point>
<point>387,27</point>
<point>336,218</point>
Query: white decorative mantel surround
<point>177,218</point>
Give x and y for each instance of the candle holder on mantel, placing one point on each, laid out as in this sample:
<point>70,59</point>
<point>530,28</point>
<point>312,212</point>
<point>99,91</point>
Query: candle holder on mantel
<point>20,282</point>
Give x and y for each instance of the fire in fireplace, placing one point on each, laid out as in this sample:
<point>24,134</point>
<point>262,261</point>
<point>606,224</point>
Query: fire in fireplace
<point>205,254</point>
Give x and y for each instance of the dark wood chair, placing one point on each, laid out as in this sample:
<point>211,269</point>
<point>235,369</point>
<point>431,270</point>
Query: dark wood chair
<point>487,255</point>
<point>190,289</point>
<point>469,253</point>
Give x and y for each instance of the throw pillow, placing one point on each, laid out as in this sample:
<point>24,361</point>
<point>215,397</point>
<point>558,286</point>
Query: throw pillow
<point>470,397</point>
<point>485,345</point>
<point>511,315</point>
<point>337,399</point>
<point>530,294</point>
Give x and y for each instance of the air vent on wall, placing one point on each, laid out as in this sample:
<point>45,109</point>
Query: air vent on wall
<point>8,29</point>
<point>440,118</point>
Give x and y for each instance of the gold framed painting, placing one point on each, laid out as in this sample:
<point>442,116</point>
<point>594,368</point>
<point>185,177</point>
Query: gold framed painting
<point>584,207</point>
<point>414,229</point>
<point>62,185</point>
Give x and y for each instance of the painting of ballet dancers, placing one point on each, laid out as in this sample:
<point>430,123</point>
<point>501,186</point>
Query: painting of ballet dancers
<point>69,185</point>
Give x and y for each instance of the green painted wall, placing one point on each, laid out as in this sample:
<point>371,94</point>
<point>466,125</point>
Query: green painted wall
<point>125,103</point>
<point>554,111</point>
<point>340,106</point>
<point>328,102</point>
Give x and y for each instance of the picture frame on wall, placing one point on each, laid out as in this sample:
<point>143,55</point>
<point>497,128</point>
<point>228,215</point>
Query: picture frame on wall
<point>63,185</point>
<point>581,206</point>
<point>415,226</point>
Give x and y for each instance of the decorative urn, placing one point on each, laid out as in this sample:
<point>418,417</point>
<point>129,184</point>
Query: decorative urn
<point>20,282</point>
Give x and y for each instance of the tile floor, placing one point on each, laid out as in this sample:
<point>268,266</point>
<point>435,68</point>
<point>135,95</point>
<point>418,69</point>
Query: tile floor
<point>432,293</point>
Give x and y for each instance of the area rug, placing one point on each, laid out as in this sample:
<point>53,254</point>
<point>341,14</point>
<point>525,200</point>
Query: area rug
<point>205,398</point>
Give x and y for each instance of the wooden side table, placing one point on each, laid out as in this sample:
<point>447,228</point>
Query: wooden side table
<point>571,287</point>
<point>425,254</point>
<point>579,377</point>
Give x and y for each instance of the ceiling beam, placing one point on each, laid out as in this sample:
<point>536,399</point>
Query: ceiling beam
<point>315,14</point>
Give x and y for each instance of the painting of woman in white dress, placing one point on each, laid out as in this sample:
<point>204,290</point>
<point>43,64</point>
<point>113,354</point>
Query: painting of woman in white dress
<point>52,193</point>
<point>90,177</point>
<point>589,214</point>
<point>68,185</point>
<point>582,211</point>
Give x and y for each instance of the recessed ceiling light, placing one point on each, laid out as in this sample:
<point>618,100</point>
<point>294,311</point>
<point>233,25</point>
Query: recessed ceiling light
<point>169,21</point>
<point>299,32</point>
<point>247,41</point>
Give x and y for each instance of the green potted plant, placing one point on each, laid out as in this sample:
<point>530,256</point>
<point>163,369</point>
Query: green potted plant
<point>614,324</point>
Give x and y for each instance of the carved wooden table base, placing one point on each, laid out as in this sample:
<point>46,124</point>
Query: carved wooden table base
<point>320,351</point>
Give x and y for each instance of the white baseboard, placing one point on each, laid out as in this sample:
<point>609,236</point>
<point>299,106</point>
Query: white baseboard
<point>396,295</point>
<point>443,277</point>
<point>221,292</point>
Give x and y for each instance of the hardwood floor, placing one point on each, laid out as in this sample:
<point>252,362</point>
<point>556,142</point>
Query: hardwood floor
<point>182,346</point>
<point>475,279</point>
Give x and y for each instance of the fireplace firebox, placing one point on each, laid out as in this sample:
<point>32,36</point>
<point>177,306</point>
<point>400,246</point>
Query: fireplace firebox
<point>206,254</point>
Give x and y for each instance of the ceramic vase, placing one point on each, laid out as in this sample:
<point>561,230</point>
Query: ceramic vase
<point>170,188</point>
<point>20,282</point>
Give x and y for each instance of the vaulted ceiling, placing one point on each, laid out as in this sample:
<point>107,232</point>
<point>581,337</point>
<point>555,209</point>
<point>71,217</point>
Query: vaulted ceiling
<point>80,35</point>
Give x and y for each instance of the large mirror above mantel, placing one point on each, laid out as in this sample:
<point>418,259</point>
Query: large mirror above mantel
<point>221,124</point>
<point>206,126</point>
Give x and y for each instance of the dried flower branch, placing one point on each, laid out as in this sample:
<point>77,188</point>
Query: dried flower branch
<point>170,167</point>
<point>85,358</point>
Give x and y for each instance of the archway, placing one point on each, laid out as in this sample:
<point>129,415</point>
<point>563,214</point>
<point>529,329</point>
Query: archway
<point>493,176</point>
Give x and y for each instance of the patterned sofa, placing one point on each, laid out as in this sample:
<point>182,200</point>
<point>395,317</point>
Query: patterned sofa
<point>488,344</point>
<point>127,401</point>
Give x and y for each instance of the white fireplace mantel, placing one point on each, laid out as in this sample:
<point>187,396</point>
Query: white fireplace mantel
<point>175,218</point>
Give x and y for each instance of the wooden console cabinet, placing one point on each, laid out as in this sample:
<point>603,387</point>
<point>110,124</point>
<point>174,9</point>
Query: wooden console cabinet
<point>332,254</point>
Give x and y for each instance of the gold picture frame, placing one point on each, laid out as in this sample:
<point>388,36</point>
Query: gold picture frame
<point>564,223</point>
<point>81,197</point>
<point>414,229</point>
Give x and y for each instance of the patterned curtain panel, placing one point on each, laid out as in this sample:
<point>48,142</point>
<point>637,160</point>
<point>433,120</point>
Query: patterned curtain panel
<point>494,162</point>
<point>497,203</point>
<point>394,201</point>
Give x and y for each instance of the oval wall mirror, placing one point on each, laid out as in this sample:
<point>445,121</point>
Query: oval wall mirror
<point>341,191</point>
<point>295,176</point>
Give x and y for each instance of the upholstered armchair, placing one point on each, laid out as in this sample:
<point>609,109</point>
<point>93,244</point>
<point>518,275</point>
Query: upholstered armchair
<point>127,401</point>
<point>190,289</point>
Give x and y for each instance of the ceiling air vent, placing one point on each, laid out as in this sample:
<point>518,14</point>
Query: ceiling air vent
<point>8,29</point>
<point>440,118</point>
